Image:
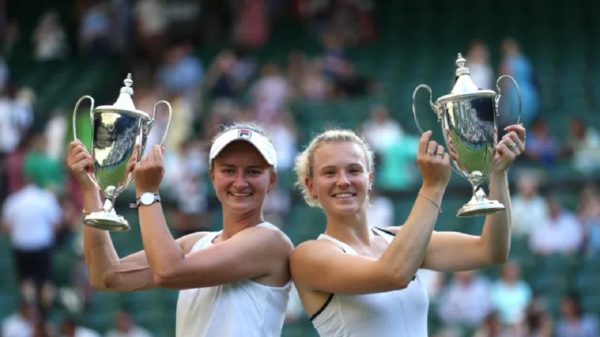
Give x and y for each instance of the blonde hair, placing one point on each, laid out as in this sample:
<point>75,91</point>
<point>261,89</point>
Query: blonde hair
<point>304,161</point>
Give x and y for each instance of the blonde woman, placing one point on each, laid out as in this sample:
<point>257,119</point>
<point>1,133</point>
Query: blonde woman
<point>359,280</point>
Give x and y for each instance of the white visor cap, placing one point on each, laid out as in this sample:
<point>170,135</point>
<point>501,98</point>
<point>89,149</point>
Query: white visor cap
<point>260,142</point>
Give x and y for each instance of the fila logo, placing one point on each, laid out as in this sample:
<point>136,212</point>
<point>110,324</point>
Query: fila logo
<point>245,133</point>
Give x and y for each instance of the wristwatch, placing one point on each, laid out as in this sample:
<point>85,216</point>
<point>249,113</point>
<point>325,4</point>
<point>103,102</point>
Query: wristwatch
<point>146,199</point>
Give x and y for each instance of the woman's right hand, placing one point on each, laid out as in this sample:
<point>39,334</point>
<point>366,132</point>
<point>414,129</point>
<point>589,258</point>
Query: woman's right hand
<point>433,162</point>
<point>80,164</point>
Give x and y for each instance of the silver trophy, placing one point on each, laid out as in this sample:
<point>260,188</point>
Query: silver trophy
<point>116,130</point>
<point>468,120</point>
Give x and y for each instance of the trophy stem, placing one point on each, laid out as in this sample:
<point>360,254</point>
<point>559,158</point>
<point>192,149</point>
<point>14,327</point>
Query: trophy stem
<point>107,218</point>
<point>479,204</point>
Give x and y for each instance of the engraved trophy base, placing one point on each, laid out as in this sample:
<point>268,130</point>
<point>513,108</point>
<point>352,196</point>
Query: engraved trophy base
<point>479,206</point>
<point>106,221</point>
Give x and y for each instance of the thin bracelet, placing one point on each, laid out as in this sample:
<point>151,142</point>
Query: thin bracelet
<point>431,200</point>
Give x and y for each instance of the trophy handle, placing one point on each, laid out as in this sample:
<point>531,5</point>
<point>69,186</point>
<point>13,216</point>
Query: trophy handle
<point>164,137</point>
<point>79,101</point>
<point>434,108</point>
<point>77,109</point>
<point>500,93</point>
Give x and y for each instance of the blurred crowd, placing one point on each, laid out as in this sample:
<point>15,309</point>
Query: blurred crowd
<point>158,41</point>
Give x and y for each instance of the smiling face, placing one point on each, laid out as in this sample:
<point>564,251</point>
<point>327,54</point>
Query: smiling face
<point>340,178</point>
<point>241,177</point>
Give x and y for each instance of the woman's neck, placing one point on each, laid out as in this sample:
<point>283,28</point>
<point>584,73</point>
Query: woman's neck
<point>233,222</point>
<point>352,229</point>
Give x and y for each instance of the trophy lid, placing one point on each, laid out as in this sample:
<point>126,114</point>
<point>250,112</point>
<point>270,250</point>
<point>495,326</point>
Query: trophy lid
<point>124,101</point>
<point>464,85</point>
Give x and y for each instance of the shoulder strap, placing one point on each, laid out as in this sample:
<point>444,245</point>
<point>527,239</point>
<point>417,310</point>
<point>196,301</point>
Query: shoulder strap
<point>205,241</point>
<point>343,246</point>
<point>384,233</point>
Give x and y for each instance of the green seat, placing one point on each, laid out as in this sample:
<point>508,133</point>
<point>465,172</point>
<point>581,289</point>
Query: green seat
<point>304,223</point>
<point>144,299</point>
<point>590,303</point>
<point>555,264</point>
<point>105,302</point>
<point>9,302</point>
<point>552,285</point>
<point>64,262</point>
<point>301,328</point>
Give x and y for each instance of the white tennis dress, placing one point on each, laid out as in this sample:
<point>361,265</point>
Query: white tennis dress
<point>244,308</point>
<point>398,313</point>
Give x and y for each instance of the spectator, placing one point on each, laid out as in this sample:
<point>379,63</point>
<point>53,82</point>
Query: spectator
<point>306,79</point>
<point>561,232</point>
<point>94,29</point>
<point>182,72</point>
<point>150,32</point>
<point>252,26</point>
<point>588,212</point>
<point>542,146</point>
<point>126,327</point>
<point>69,328</point>
<point>479,65</point>
<point>270,94</point>
<point>349,83</point>
<point>380,130</point>
<point>514,63</point>
<point>13,164</point>
<point>334,57</point>
<point>221,81</point>
<point>16,116</point>
<point>380,211</point>
<point>466,300</point>
<point>510,295</point>
<point>283,132</point>
<point>398,164</point>
<point>32,234</point>
<point>49,38</point>
<point>574,322</point>
<point>184,180</point>
<point>537,322</point>
<point>529,208</point>
<point>4,72</point>
<point>20,323</point>
<point>492,327</point>
<point>583,145</point>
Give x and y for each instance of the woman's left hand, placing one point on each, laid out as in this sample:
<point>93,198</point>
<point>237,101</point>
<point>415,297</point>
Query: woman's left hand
<point>509,148</point>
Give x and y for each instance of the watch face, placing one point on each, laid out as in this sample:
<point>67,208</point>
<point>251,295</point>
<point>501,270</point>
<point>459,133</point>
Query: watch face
<point>147,198</point>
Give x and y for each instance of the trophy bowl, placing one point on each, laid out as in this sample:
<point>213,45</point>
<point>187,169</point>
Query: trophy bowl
<point>468,119</point>
<point>116,130</point>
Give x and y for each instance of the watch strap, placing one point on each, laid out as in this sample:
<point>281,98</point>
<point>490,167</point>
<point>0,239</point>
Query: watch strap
<point>138,201</point>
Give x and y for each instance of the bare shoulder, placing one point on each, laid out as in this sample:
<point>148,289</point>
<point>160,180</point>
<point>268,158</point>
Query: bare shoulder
<point>267,235</point>
<point>313,250</point>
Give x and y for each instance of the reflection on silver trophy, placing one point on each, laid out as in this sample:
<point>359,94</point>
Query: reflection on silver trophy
<point>116,130</point>
<point>468,120</point>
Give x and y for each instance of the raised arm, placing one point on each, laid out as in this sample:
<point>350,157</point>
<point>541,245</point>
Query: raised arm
<point>321,266</point>
<point>250,254</point>
<point>452,251</point>
<point>106,271</point>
